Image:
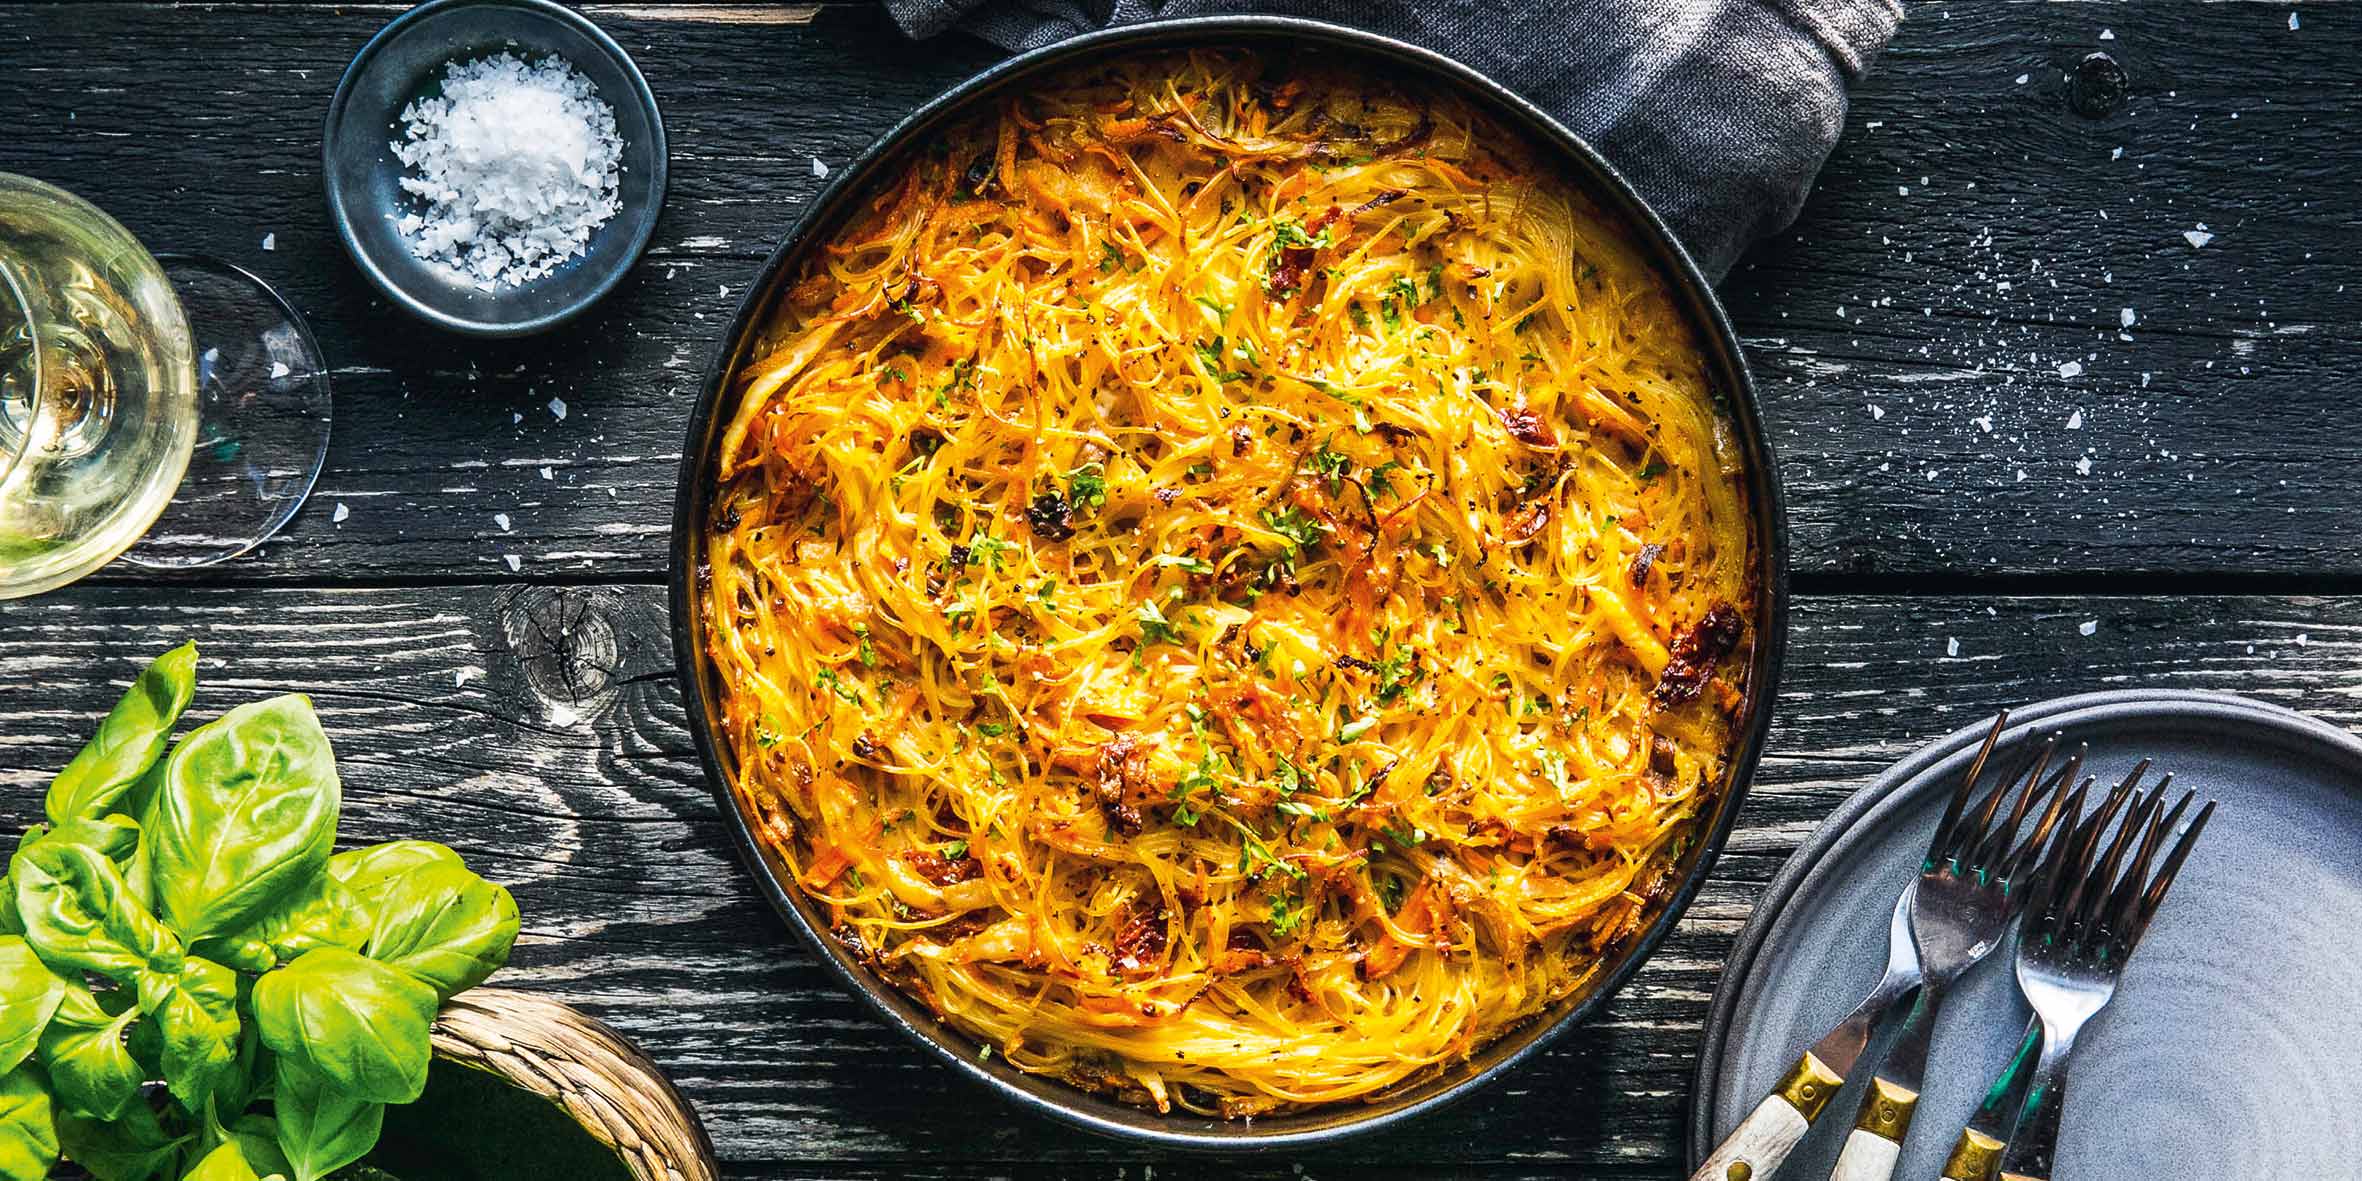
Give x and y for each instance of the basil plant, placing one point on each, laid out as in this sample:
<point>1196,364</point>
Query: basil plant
<point>183,918</point>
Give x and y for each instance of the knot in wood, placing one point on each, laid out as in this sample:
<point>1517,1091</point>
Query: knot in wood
<point>564,643</point>
<point>2099,86</point>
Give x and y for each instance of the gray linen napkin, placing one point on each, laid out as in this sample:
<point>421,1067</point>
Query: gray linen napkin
<point>1719,111</point>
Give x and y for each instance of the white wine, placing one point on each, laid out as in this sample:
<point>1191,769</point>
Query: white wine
<point>98,399</point>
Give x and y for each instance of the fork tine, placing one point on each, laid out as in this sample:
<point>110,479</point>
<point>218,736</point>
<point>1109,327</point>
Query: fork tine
<point>2026,858</point>
<point>1996,851</point>
<point>2158,885</point>
<point>1968,840</point>
<point>2140,821</point>
<point>2045,885</point>
<point>2120,915</point>
<point>2074,873</point>
<point>1968,783</point>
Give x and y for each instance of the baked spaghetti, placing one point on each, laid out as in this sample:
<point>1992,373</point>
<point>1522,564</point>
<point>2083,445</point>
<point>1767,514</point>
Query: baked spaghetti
<point>1229,582</point>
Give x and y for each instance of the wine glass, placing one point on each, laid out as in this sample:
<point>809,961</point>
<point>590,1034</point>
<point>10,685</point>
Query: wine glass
<point>169,410</point>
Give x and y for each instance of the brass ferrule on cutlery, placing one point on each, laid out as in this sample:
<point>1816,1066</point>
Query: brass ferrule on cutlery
<point>1973,1157</point>
<point>1809,1086</point>
<point>1887,1110</point>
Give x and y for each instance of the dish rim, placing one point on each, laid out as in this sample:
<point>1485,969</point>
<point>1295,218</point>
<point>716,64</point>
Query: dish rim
<point>1735,393</point>
<point>659,171</point>
<point>1827,839</point>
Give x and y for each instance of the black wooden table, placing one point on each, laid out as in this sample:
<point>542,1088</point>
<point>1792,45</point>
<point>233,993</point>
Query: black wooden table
<point>2035,440</point>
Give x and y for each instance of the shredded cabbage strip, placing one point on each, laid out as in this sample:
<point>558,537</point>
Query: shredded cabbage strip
<point>1230,582</point>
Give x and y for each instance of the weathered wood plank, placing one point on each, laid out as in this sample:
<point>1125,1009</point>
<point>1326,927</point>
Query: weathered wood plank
<point>1977,234</point>
<point>579,790</point>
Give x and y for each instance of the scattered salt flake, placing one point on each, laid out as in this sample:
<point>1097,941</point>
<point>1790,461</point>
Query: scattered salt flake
<point>2022,79</point>
<point>2145,380</point>
<point>279,369</point>
<point>270,241</point>
<point>460,677</point>
<point>2075,421</point>
<point>818,167</point>
<point>2302,639</point>
<point>2107,34</point>
<point>1876,412</point>
<point>2197,237</point>
<point>547,474</point>
<point>2071,369</point>
<point>515,563</point>
<point>1902,190</point>
<point>340,514</point>
<point>1985,423</point>
<point>501,519</point>
<point>2126,318</point>
<point>2292,22</point>
<point>2083,466</point>
<point>557,406</point>
<point>1951,645</point>
<point>2021,475</point>
<point>2088,627</point>
<point>2117,154</point>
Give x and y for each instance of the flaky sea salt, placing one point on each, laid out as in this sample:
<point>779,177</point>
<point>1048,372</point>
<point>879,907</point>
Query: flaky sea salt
<point>513,167</point>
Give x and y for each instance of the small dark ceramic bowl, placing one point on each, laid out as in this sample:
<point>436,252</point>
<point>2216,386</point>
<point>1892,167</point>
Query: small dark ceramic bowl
<point>404,62</point>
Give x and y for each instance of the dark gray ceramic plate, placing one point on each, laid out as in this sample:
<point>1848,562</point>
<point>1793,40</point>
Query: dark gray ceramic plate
<point>405,62</point>
<point>2231,1049</point>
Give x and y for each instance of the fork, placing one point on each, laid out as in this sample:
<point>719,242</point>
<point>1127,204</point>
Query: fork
<point>2082,924</point>
<point>1970,886</point>
<point>1762,1141</point>
<point>1977,1150</point>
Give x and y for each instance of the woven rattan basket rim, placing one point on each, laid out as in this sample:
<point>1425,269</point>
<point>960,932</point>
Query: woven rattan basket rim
<point>598,1076</point>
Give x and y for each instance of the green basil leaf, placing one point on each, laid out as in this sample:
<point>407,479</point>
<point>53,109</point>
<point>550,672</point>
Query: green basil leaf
<point>227,1162</point>
<point>129,739</point>
<point>321,1129</point>
<point>197,1017</point>
<point>365,871</point>
<point>245,814</point>
<point>87,1054</point>
<point>443,925</point>
<point>321,913</point>
<point>29,996</point>
<point>28,1127</point>
<point>355,1022</point>
<point>115,837</point>
<point>79,914</point>
<point>257,1136</point>
<point>134,1147</point>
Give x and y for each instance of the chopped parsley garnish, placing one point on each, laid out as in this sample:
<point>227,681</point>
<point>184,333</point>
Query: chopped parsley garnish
<point>1287,913</point>
<point>1353,730</point>
<point>1187,562</point>
<point>1301,531</point>
<point>1154,627</point>
<point>1286,234</point>
<point>869,652</point>
<point>1397,671</point>
<point>1087,485</point>
<point>828,679</point>
<point>989,550</point>
<point>1332,464</point>
<point>955,851</point>
<point>1652,469</point>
